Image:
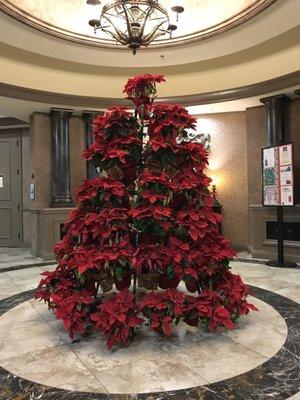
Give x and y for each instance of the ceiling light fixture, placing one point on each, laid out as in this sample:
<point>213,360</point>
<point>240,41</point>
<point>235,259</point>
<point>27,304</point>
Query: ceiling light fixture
<point>134,23</point>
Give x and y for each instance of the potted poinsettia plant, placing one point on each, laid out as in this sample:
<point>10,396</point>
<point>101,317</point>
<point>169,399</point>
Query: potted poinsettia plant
<point>162,308</point>
<point>117,317</point>
<point>142,91</point>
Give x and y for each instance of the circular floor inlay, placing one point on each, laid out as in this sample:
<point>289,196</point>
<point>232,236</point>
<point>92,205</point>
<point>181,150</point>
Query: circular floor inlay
<point>34,346</point>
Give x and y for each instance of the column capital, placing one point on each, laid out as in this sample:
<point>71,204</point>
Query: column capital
<point>66,111</point>
<point>88,115</point>
<point>275,100</point>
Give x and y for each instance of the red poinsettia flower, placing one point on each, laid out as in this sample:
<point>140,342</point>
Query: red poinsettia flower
<point>162,308</point>
<point>114,153</point>
<point>152,197</point>
<point>147,256</point>
<point>150,178</point>
<point>170,115</point>
<point>155,212</point>
<point>117,317</point>
<point>142,88</point>
<point>89,189</point>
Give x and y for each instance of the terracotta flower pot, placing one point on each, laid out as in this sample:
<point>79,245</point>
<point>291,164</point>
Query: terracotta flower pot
<point>114,173</point>
<point>149,280</point>
<point>105,280</point>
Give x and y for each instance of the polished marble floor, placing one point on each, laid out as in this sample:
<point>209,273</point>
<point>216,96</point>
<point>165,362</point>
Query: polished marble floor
<point>38,349</point>
<point>17,257</point>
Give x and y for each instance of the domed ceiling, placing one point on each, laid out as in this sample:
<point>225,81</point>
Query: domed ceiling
<point>69,18</point>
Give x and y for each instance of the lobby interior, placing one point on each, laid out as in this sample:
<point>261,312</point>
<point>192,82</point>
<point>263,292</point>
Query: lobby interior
<point>235,66</point>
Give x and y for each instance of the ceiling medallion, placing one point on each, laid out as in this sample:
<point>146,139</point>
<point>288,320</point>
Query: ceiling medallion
<point>134,23</point>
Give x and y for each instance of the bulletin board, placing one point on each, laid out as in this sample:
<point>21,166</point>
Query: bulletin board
<point>278,175</point>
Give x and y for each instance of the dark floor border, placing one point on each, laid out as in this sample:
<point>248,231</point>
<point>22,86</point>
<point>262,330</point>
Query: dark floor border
<point>26,266</point>
<point>277,378</point>
<point>260,261</point>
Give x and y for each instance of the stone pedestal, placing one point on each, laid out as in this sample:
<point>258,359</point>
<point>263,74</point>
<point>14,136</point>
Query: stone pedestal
<point>47,230</point>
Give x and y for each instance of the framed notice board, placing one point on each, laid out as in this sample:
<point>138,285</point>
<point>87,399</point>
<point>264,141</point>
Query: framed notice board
<point>278,175</point>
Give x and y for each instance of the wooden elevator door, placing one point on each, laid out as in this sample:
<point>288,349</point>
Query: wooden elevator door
<point>10,188</point>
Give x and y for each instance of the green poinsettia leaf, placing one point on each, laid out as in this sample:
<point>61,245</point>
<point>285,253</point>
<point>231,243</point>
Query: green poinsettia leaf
<point>119,273</point>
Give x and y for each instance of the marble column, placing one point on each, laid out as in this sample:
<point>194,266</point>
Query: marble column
<point>88,117</point>
<point>275,106</point>
<point>60,158</point>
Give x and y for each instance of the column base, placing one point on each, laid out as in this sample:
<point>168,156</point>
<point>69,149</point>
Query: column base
<point>285,264</point>
<point>61,204</point>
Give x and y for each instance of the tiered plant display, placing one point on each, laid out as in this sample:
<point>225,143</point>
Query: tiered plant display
<point>146,221</point>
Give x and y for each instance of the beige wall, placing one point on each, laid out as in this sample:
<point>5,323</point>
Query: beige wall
<point>228,161</point>
<point>276,57</point>
<point>256,139</point>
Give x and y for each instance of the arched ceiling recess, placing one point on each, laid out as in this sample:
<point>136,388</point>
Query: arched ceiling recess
<point>69,20</point>
<point>226,27</point>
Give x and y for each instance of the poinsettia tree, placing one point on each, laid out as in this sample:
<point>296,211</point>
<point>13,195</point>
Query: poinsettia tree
<point>146,220</point>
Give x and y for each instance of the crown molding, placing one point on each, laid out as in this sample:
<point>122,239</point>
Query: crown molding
<point>86,102</point>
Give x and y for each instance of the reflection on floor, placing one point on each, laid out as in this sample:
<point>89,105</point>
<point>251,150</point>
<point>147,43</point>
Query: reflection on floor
<point>39,350</point>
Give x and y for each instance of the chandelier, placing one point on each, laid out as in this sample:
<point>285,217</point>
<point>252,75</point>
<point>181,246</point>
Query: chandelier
<point>134,23</point>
